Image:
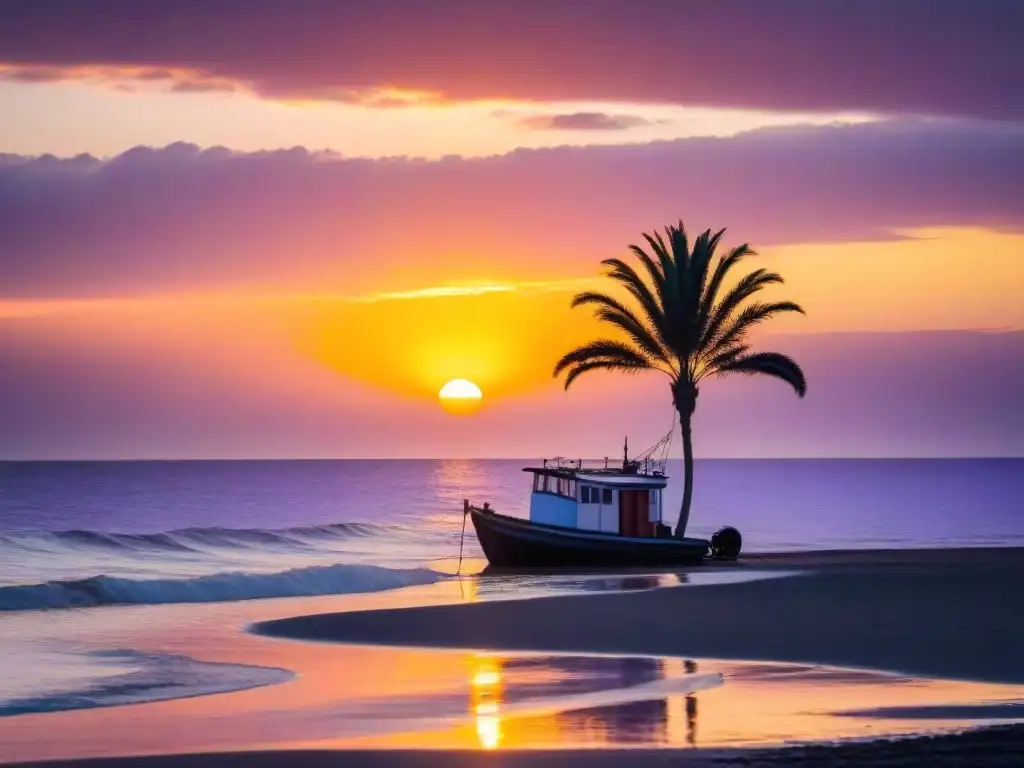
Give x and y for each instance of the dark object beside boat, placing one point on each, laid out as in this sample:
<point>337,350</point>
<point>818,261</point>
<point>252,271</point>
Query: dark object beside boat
<point>510,541</point>
<point>726,544</point>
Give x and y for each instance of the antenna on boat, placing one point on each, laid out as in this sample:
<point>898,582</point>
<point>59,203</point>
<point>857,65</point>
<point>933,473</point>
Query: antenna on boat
<point>625,451</point>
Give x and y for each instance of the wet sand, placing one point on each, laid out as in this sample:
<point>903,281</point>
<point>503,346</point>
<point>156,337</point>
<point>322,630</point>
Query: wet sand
<point>990,748</point>
<point>930,613</point>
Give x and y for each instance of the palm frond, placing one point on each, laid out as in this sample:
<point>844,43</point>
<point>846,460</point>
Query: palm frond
<point>675,264</point>
<point>700,263</point>
<point>721,312</point>
<point>639,334</point>
<point>692,289</point>
<point>653,269</point>
<point>710,365</point>
<point>621,366</point>
<point>725,264</point>
<point>607,350</point>
<point>621,316</point>
<point>736,329</point>
<point>638,288</point>
<point>772,364</point>
<point>662,273</point>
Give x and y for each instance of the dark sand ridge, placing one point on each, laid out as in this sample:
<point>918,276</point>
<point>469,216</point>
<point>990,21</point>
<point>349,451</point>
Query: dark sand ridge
<point>992,748</point>
<point>930,613</point>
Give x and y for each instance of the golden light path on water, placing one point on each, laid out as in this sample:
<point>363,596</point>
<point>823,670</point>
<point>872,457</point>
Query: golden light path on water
<point>363,696</point>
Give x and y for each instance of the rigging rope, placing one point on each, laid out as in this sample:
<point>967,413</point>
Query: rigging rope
<point>660,448</point>
<point>658,453</point>
<point>462,538</point>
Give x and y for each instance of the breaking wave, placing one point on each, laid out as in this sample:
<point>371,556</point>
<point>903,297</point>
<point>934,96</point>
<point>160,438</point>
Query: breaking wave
<point>218,587</point>
<point>200,540</point>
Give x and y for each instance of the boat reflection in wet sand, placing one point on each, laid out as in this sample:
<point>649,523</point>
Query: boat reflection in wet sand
<point>581,516</point>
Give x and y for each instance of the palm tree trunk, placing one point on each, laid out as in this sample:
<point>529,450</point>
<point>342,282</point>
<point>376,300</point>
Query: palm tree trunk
<point>684,512</point>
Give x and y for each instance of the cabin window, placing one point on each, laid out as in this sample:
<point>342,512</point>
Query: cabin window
<point>655,496</point>
<point>560,486</point>
<point>606,496</point>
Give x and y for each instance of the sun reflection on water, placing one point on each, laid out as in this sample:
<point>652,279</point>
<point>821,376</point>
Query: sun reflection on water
<point>486,695</point>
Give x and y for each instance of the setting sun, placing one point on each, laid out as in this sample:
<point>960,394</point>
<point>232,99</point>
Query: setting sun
<point>460,396</point>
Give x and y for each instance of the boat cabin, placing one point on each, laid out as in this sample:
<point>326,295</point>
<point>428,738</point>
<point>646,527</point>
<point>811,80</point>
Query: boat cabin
<point>626,500</point>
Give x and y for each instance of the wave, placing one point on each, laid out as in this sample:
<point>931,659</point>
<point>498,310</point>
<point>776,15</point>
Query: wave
<point>134,677</point>
<point>201,539</point>
<point>219,587</point>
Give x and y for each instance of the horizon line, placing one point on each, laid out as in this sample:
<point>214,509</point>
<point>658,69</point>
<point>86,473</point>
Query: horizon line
<point>268,459</point>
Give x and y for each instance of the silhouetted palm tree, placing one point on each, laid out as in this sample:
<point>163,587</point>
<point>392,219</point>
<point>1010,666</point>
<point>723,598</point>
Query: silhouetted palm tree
<point>683,322</point>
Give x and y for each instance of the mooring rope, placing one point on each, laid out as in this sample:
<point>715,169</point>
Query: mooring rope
<point>462,538</point>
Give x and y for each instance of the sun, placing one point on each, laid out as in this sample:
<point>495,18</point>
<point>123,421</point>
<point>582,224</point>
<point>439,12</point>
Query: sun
<point>461,397</point>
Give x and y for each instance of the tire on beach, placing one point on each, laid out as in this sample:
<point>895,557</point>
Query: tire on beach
<point>726,543</point>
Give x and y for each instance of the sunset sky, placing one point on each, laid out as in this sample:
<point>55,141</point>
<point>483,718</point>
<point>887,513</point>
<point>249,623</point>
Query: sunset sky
<point>275,228</point>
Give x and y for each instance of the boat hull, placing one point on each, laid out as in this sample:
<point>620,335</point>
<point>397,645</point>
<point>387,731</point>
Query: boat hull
<point>513,542</point>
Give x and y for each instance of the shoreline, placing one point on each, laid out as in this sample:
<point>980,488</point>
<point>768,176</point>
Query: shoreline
<point>928,613</point>
<point>993,747</point>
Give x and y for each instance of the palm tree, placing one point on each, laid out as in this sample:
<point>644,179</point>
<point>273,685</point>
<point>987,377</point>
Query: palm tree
<point>682,322</point>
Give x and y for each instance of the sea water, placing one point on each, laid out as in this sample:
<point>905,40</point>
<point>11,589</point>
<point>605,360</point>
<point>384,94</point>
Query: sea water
<point>80,534</point>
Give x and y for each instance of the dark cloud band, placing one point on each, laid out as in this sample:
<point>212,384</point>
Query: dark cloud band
<point>933,57</point>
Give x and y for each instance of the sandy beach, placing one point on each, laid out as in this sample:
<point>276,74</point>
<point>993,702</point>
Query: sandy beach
<point>933,613</point>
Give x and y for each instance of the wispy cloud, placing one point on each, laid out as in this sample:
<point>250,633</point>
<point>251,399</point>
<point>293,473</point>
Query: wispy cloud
<point>122,77</point>
<point>476,289</point>
<point>15,309</point>
<point>584,121</point>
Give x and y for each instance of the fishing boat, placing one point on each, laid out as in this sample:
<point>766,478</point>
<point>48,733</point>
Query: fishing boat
<point>588,516</point>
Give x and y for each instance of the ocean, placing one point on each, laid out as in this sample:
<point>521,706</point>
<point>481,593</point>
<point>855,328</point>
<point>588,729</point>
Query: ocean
<point>81,534</point>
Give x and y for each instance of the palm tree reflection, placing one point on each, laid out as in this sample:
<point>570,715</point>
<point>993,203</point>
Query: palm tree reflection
<point>691,707</point>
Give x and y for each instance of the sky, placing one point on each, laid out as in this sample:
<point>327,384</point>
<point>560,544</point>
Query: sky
<point>276,228</point>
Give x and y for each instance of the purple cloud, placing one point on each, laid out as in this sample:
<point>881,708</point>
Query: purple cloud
<point>200,86</point>
<point>934,57</point>
<point>178,218</point>
<point>583,121</point>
